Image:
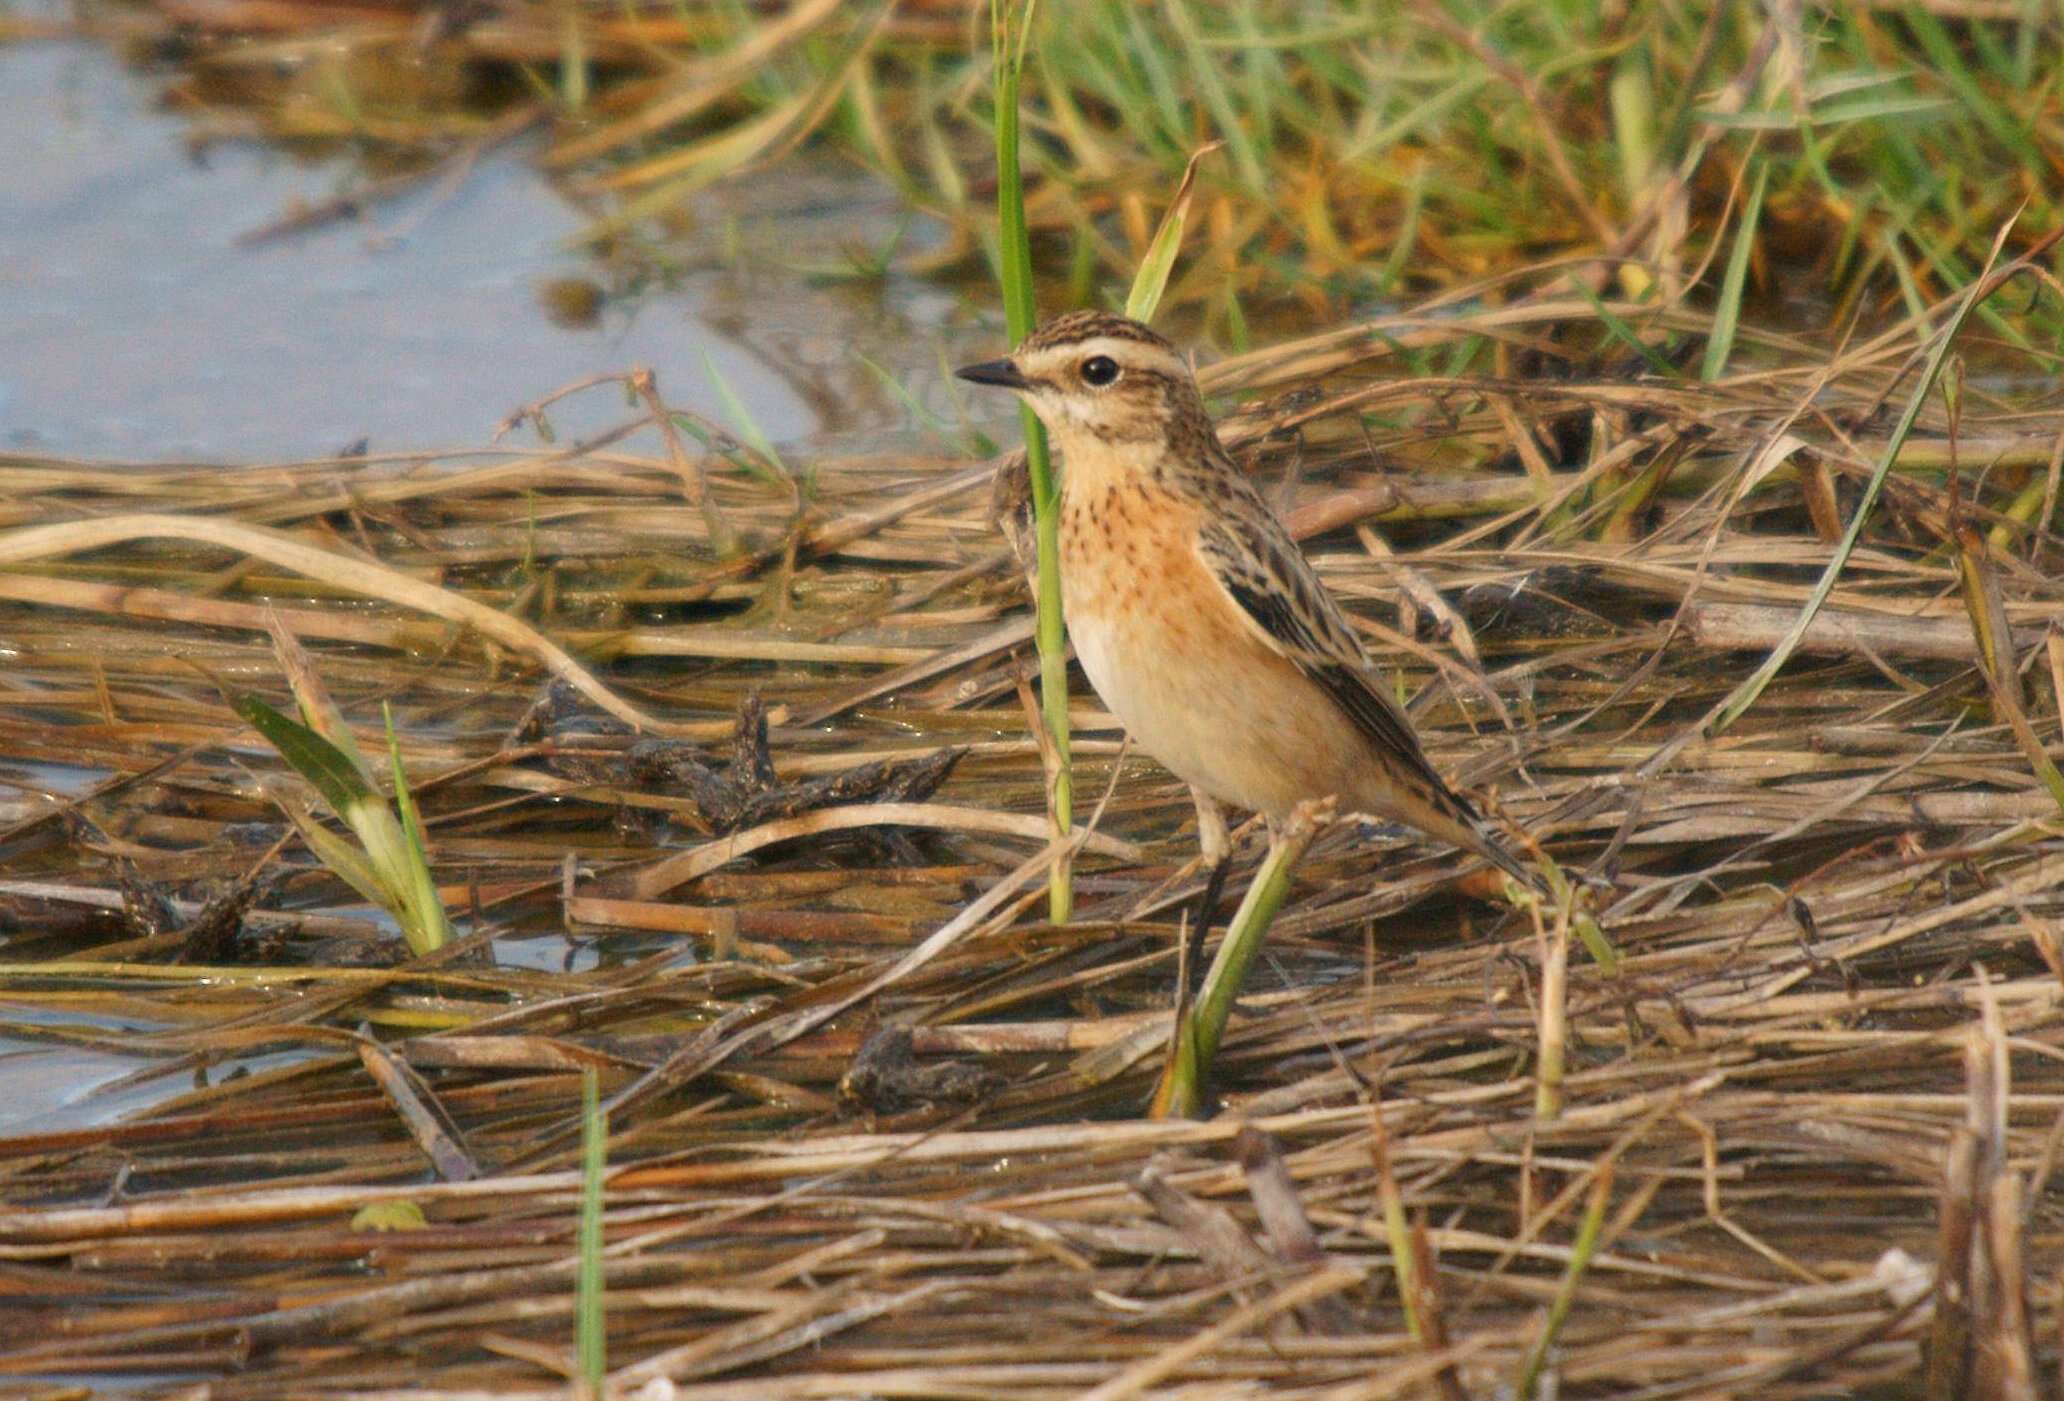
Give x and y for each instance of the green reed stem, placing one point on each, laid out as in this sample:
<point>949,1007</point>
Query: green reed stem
<point>1010,33</point>
<point>1200,1028</point>
<point>590,1321</point>
<point>1581,1251</point>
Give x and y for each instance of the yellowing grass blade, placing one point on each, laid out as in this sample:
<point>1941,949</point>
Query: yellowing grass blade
<point>1152,278</point>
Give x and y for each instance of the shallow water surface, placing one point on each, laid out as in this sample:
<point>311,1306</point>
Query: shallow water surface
<point>138,326</point>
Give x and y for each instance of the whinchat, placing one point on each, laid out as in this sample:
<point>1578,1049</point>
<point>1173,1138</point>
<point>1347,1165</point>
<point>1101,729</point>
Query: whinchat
<point>1197,619</point>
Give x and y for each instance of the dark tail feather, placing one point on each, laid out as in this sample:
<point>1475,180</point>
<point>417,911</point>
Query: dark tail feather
<point>1459,823</point>
<point>1499,855</point>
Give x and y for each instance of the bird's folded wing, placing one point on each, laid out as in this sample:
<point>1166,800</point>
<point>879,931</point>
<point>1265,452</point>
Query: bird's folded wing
<point>1262,569</point>
<point>1265,573</point>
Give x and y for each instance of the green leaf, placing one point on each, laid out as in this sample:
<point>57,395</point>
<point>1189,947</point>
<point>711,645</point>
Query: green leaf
<point>322,763</point>
<point>344,860</point>
<point>432,926</point>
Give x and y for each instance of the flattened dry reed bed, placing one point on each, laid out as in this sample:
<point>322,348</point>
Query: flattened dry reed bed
<point>1834,1035</point>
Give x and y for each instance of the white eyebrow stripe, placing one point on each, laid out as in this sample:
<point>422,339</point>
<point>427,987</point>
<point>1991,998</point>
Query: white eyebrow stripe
<point>1123,349</point>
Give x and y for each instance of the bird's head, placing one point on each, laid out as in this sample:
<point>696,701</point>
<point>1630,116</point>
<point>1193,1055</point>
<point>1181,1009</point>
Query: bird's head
<point>1094,377</point>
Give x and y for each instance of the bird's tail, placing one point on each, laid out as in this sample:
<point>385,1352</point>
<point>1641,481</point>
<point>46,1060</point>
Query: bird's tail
<point>1490,848</point>
<point>1442,812</point>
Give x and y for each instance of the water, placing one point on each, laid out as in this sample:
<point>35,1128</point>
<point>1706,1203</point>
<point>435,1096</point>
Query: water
<point>53,1088</point>
<point>137,327</point>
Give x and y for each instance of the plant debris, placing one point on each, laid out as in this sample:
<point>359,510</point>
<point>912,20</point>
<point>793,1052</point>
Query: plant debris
<point>747,793</point>
<point>1831,1060</point>
<point>886,1077</point>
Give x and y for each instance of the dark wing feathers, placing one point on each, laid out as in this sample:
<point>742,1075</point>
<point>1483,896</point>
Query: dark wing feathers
<point>1271,580</point>
<point>1268,576</point>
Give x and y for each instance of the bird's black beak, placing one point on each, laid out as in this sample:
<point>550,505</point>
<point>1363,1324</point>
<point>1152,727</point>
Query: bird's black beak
<point>1001,373</point>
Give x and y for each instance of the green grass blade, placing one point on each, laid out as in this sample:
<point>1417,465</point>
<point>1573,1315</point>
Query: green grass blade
<point>1202,1025</point>
<point>1581,920</point>
<point>398,872</point>
<point>322,763</point>
<point>1209,86</point>
<point>960,440</point>
<point>1581,1251</point>
<point>1625,335</point>
<point>1011,32</point>
<point>742,421</point>
<point>426,908</point>
<point>1745,695</point>
<point>404,805</point>
<point>591,1320</point>
<point>1727,314</point>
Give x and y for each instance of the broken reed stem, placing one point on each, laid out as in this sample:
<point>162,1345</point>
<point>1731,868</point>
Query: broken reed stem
<point>2005,1345</point>
<point>1980,1341</point>
<point>1553,941</point>
<point>1431,1331</point>
<point>1949,1333</point>
<point>723,539</point>
<point>1996,654</point>
<point>1137,1380</point>
<point>697,861</point>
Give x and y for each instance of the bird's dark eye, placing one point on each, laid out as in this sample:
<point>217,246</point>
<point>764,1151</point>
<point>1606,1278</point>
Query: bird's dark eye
<point>1099,370</point>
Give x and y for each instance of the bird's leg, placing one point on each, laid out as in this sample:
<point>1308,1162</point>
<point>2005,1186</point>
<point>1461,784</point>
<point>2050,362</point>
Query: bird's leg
<point>1216,844</point>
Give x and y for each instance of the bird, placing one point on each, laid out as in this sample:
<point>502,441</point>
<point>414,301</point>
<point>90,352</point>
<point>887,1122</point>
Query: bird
<point>1198,621</point>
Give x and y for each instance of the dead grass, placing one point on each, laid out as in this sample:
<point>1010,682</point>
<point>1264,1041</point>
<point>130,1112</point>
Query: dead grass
<point>1831,1061</point>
